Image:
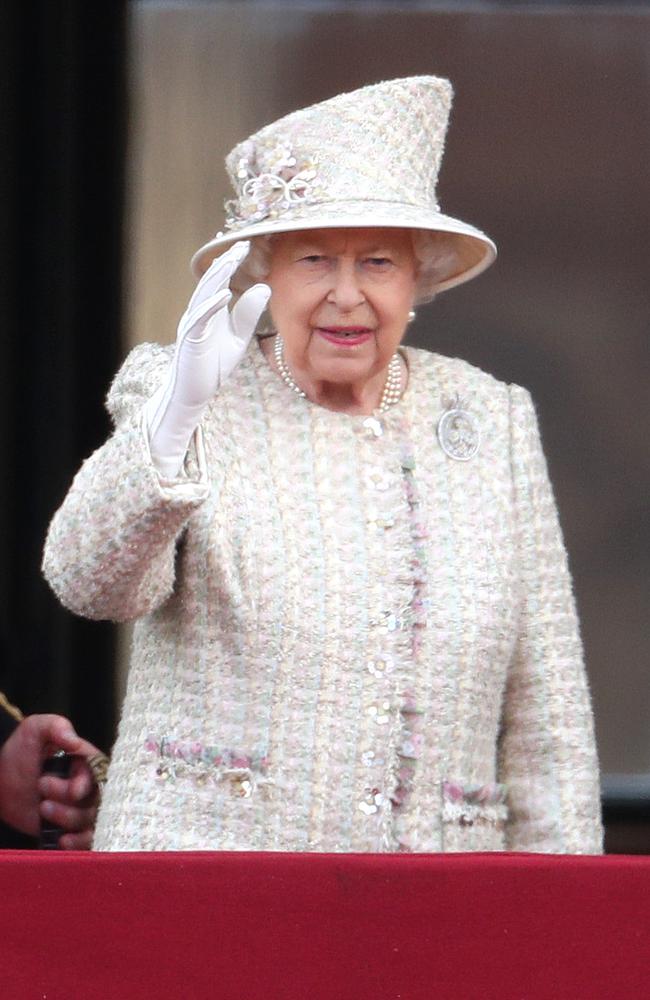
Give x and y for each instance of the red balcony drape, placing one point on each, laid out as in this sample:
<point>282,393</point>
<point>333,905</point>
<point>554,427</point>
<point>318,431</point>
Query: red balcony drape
<point>243,926</point>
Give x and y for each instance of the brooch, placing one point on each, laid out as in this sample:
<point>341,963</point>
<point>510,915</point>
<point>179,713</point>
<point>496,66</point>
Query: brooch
<point>458,432</point>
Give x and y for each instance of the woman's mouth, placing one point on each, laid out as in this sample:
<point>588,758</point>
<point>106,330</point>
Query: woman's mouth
<point>345,336</point>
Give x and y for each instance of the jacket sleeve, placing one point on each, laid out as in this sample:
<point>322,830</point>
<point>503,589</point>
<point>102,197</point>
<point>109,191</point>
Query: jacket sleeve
<point>547,748</point>
<point>110,547</point>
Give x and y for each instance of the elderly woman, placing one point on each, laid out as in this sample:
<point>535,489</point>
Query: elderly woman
<point>355,626</point>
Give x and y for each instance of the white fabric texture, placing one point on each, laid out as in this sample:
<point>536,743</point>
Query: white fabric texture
<point>210,343</point>
<point>346,639</point>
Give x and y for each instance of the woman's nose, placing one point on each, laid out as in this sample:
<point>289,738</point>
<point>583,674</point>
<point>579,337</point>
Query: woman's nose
<point>346,292</point>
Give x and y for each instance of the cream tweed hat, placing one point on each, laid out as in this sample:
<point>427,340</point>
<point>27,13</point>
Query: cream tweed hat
<point>367,158</point>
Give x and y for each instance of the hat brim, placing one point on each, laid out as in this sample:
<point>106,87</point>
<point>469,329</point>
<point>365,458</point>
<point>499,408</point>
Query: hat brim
<point>471,250</point>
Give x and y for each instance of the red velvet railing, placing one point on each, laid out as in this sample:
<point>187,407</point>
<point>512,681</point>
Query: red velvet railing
<point>324,927</point>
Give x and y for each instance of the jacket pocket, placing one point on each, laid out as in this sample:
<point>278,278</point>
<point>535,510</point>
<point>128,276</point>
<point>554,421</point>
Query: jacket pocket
<point>202,765</point>
<point>473,816</point>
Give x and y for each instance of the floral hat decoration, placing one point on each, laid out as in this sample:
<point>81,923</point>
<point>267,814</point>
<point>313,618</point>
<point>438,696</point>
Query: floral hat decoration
<point>366,158</point>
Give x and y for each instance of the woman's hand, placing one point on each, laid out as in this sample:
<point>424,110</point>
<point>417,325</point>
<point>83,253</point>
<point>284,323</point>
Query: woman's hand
<point>26,796</point>
<point>210,343</point>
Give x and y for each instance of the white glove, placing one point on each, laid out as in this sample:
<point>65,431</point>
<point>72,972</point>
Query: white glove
<point>210,343</point>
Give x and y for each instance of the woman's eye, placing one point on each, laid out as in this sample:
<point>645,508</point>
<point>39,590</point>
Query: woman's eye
<point>313,258</point>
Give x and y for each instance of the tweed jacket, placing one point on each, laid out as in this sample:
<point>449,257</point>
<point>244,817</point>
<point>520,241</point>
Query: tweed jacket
<point>348,637</point>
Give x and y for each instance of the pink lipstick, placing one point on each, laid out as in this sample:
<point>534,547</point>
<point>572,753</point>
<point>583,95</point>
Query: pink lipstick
<point>345,336</point>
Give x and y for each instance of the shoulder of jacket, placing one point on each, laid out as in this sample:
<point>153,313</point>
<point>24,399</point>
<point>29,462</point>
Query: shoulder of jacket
<point>457,377</point>
<point>138,378</point>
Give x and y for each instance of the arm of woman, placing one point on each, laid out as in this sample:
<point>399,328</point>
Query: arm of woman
<point>110,547</point>
<point>547,747</point>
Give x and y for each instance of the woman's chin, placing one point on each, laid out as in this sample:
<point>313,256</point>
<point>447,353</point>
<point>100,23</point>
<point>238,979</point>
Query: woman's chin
<point>343,370</point>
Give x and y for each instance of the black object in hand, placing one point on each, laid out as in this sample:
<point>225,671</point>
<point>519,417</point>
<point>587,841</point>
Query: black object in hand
<point>59,765</point>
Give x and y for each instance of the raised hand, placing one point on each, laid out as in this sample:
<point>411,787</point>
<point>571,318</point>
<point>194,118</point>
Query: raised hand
<point>210,343</point>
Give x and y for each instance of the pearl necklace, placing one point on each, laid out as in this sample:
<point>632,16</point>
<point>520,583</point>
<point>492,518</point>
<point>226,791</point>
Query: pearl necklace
<point>391,393</point>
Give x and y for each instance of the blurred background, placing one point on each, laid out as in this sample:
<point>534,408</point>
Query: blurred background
<point>118,118</point>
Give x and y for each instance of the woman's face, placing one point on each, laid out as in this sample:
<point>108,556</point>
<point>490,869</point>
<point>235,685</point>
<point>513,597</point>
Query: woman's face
<point>340,299</point>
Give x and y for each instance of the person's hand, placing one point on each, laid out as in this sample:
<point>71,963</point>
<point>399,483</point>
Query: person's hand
<point>26,796</point>
<point>210,343</point>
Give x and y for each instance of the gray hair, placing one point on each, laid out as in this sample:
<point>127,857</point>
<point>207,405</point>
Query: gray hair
<point>434,252</point>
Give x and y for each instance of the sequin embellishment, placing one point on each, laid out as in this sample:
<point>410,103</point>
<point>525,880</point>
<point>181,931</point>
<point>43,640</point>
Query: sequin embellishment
<point>458,432</point>
<point>381,665</point>
<point>373,427</point>
<point>371,802</point>
<point>178,759</point>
